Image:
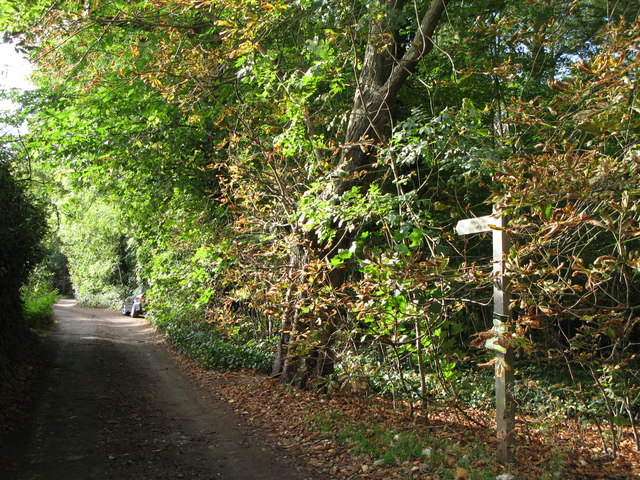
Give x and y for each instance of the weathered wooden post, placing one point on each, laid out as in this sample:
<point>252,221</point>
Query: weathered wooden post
<point>505,407</point>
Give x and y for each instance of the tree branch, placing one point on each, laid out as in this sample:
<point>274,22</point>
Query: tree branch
<point>421,45</point>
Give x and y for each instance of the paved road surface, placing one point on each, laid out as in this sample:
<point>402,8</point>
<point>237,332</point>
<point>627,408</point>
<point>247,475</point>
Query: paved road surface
<point>112,404</point>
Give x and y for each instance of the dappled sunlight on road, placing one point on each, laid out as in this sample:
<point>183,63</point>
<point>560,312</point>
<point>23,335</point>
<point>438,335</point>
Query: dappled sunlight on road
<point>90,324</point>
<point>65,303</point>
<point>116,404</point>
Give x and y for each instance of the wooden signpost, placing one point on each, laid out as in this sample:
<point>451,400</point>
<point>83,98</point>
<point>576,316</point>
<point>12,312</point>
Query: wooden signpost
<point>505,407</point>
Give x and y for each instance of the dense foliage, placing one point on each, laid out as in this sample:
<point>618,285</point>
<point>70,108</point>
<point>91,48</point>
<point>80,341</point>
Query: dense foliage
<point>22,228</point>
<point>286,177</point>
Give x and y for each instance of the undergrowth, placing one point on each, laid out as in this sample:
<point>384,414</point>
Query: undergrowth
<point>108,298</point>
<point>203,343</point>
<point>38,306</point>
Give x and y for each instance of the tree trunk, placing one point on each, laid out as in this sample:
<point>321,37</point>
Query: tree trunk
<point>292,364</point>
<point>385,67</point>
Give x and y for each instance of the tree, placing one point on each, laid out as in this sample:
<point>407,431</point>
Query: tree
<point>387,62</point>
<point>22,227</point>
<point>574,201</point>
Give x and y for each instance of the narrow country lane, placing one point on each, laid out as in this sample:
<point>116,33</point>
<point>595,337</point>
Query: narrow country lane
<point>113,404</point>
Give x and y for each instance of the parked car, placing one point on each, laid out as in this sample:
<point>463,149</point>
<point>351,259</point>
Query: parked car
<point>135,304</point>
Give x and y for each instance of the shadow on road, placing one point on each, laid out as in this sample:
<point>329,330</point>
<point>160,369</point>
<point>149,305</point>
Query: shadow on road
<point>113,404</point>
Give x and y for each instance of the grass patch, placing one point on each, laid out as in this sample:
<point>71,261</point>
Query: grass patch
<point>38,307</point>
<point>417,449</point>
<point>386,447</point>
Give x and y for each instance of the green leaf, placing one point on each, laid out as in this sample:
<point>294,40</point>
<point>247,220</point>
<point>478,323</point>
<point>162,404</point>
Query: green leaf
<point>401,248</point>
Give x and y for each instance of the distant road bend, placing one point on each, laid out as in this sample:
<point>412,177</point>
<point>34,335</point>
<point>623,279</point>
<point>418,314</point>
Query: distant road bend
<point>113,404</point>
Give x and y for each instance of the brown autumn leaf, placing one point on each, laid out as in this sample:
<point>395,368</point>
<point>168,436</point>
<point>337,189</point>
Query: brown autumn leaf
<point>480,338</point>
<point>547,310</point>
<point>461,474</point>
<point>490,363</point>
